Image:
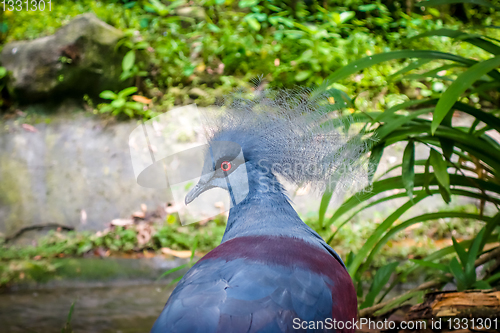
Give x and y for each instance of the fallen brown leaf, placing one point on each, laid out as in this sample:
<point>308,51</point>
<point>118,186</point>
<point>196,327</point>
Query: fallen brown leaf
<point>178,254</point>
<point>139,215</point>
<point>141,99</point>
<point>122,222</point>
<point>29,128</point>
<point>144,233</point>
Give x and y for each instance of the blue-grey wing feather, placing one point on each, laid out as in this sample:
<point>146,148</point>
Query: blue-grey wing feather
<point>244,296</point>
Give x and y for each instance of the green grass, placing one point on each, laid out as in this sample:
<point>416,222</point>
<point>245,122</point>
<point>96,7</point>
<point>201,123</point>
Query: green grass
<point>39,262</point>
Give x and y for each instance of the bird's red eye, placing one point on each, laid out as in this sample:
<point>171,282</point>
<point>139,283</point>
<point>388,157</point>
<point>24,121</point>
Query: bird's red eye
<point>225,166</point>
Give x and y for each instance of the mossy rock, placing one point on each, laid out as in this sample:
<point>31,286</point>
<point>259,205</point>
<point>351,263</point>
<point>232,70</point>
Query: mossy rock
<point>80,58</point>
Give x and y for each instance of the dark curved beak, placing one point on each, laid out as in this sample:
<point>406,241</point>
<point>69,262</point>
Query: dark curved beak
<point>196,191</point>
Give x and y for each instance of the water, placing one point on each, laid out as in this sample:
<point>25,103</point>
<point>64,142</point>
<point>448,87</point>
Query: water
<point>116,308</point>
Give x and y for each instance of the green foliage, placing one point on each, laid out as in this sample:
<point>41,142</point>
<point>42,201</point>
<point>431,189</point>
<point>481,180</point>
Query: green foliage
<point>135,44</point>
<point>461,162</point>
<point>379,281</point>
<point>3,74</point>
<point>121,103</point>
<point>408,168</point>
<point>21,263</point>
<point>67,327</point>
<point>19,270</point>
<point>118,239</point>
<point>178,268</point>
<point>464,272</point>
<point>173,48</point>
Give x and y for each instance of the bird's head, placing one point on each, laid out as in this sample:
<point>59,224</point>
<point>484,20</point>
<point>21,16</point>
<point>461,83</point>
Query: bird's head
<point>224,167</point>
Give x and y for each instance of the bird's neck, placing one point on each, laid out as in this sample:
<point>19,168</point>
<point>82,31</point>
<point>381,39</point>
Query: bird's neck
<point>265,211</point>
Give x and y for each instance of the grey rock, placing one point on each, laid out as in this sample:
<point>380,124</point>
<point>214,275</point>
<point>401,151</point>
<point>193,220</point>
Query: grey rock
<point>79,58</point>
<point>72,163</point>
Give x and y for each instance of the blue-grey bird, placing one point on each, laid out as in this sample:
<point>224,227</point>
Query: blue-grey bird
<point>272,272</point>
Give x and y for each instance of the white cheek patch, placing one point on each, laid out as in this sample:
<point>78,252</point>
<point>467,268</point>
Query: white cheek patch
<point>238,180</point>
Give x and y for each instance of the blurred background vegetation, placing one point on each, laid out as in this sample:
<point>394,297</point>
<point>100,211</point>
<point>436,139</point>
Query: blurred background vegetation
<point>421,76</point>
<point>181,52</point>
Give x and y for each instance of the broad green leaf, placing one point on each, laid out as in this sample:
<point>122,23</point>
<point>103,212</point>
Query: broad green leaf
<point>440,167</point>
<point>106,108</point>
<point>477,147</point>
<point>493,278</point>
<point>451,250</point>
<point>128,112</point>
<point>346,16</point>
<point>247,3</point>
<point>174,281</point>
<point>379,281</point>
<point>390,126</point>
<point>474,251</point>
<point>118,103</point>
<point>172,270</point>
<point>413,65</point>
<point>481,285</point>
<point>433,265</point>
<point>485,117</point>
<point>3,72</point>
<point>302,75</point>
<point>489,228</point>
<point>421,218</point>
<point>444,252</point>
<point>261,17</point>
<point>127,91</point>
<point>462,254</point>
<point>485,87</point>
<point>125,75</point>
<point>390,184</point>
<point>472,39</point>
<point>397,302</point>
<point>275,20</point>
<point>253,23</point>
<point>434,73</point>
<point>108,94</point>
<point>447,147</point>
<point>363,63</point>
<point>381,229</point>
<point>193,249</point>
<point>367,8</point>
<point>445,194</point>
<point>459,86</point>
<point>128,61</point>
<point>349,257</point>
<point>325,201</point>
<point>213,27</point>
<point>458,274</point>
<point>383,116</point>
<point>375,156</point>
<point>135,106</point>
<point>70,313</point>
<point>397,166</point>
<point>340,97</point>
<point>141,45</point>
<point>408,168</point>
